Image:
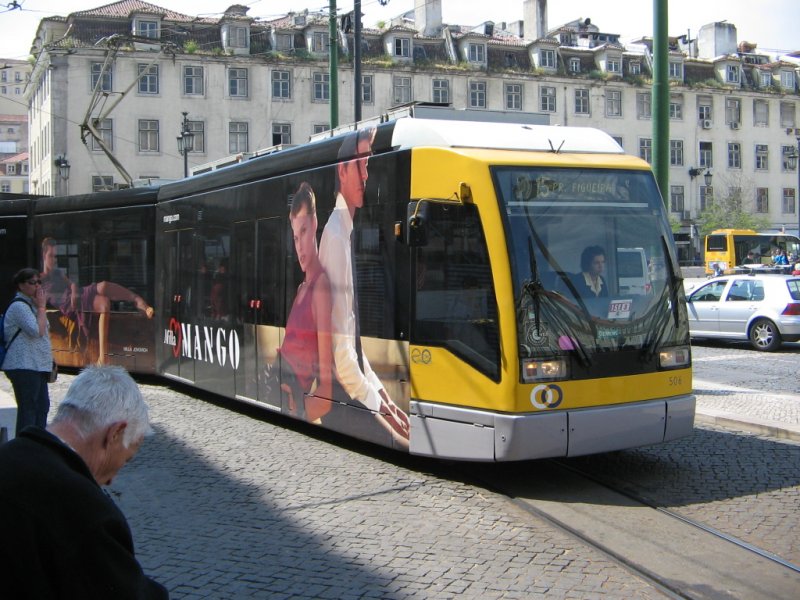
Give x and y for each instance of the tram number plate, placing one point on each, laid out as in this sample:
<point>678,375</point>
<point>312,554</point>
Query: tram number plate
<point>619,309</point>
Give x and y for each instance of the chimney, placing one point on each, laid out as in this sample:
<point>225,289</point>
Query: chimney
<point>534,15</point>
<point>428,17</point>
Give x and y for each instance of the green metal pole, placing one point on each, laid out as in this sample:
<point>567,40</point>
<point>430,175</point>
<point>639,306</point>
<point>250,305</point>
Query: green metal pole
<point>333,56</point>
<point>661,97</point>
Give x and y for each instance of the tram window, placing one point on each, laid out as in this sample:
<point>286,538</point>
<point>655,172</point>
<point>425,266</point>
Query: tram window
<point>455,303</point>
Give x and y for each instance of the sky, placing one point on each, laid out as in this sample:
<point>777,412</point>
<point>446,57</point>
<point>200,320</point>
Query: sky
<point>772,24</point>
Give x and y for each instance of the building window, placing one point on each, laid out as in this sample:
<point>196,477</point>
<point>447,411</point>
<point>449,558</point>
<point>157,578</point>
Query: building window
<point>704,112</point>
<point>5,186</point>
<point>676,108</point>
<point>402,47</point>
<point>676,198</point>
<point>441,91</point>
<point>237,137</point>
<point>787,114</point>
<point>321,87</point>
<point>618,139</point>
<point>789,201</point>
<point>284,42</point>
<point>733,111</point>
<point>148,135</point>
<point>760,113</point>
<point>644,105</point>
<point>148,79</point>
<point>105,79</point>
<point>635,67</point>
<point>238,37</point>
<point>762,200</point>
<point>787,80</point>
<point>105,128</point>
<point>477,94</point>
<point>513,96</point>
<point>706,197</point>
<point>476,53</point>
<point>575,65</point>
<point>11,169</point>
<point>148,29</point>
<point>706,154</point>
<point>732,74</point>
<point>762,157</point>
<point>281,85</point>
<point>402,89</point>
<point>675,70</point>
<point>547,59</point>
<point>198,128</point>
<point>320,42</point>
<point>102,183</point>
<point>613,103</point>
<point>547,99</point>
<point>237,83</point>
<point>646,149</point>
<point>319,128</point>
<point>193,83</point>
<point>367,89</point>
<point>786,152</point>
<point>281,133</point>
<point>676,153</point>
<point>614,64</point>
<point>734,155</point>
<point>765,79</point>
<point>581,101</point>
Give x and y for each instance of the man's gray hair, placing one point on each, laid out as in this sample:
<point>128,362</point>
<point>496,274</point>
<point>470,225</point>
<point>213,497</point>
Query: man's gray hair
<point>102,395</point>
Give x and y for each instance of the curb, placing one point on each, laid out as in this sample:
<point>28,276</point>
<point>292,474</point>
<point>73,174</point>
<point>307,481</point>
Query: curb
<point>774,429</point>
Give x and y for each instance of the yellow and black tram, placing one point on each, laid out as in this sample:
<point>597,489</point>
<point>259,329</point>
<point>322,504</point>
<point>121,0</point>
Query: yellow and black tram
<point>463,290</point>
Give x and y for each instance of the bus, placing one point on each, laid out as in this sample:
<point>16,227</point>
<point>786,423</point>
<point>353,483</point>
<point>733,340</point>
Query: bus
<point>458,290</point>
<point>726,249</point>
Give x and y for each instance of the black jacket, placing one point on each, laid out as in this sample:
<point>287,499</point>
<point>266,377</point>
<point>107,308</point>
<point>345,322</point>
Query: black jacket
<point>62,536</point>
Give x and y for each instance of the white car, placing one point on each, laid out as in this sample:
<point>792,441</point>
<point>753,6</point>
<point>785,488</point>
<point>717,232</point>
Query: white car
<point>764,309</point>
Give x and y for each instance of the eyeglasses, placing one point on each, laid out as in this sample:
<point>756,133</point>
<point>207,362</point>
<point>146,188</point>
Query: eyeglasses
<point>34,282</point>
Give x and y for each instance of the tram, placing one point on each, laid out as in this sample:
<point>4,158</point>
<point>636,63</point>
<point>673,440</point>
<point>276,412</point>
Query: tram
<point>446,288</point>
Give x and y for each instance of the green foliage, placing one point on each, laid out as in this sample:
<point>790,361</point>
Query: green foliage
<point>727,213</point>
<point>191,46</point>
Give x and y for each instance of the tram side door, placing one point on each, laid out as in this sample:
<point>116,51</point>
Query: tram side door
<point>258,256</point>
<point>179,261</point>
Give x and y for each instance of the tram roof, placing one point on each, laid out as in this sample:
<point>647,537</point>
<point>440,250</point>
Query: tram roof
<point>411,133</point>
<point>403,134</point>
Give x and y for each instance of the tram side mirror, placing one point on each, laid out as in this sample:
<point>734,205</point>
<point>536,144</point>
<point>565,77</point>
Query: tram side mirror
<point>417,224</point>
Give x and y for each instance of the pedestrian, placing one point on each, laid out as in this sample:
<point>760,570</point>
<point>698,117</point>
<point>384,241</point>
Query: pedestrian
<point>29,358</point>
<point>63,536</point>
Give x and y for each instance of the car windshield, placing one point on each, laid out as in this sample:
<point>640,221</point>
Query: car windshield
<point>592,260</point>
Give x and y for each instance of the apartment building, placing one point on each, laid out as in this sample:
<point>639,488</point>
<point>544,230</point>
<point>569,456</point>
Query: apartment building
<point>110,85</point>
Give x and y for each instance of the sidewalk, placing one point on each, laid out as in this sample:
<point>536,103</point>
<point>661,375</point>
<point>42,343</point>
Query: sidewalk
<point>776,415</point>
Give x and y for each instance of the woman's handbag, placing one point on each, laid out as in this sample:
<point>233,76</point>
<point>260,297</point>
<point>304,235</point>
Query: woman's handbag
<point>53,373</point>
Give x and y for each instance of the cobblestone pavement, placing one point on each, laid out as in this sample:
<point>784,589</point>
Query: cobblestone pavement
<point>225,505</point>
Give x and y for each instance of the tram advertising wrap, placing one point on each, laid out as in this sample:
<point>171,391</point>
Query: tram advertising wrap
<point>457,289</point>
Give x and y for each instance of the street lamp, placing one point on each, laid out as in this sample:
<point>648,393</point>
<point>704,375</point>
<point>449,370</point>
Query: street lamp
<point>793,158</point>
<point>185,143</point>
<point>693,172</point>
<point>63,166</point>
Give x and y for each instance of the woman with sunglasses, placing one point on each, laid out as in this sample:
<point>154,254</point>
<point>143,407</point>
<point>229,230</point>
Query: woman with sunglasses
<point>29,358</point>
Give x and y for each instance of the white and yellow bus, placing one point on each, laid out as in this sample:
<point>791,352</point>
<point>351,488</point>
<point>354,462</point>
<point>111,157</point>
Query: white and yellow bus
<point>726,249</point>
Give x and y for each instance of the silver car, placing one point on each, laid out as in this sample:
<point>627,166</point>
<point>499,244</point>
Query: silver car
<point>764,309</point>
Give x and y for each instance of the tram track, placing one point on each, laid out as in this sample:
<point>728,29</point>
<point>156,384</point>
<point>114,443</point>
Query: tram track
<point>681,557</point>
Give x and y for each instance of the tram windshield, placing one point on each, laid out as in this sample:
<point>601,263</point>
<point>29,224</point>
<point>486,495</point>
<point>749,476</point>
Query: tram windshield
<point>591,260</point>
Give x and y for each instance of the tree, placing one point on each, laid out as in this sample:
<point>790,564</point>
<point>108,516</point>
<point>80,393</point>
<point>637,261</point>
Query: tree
<point>726,211</point>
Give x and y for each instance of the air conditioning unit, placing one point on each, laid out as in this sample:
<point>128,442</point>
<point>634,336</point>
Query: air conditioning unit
<point>734,124</point>
<point>706,123</point>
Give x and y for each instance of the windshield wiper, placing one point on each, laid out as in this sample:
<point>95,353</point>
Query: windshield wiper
<point>674,283</point>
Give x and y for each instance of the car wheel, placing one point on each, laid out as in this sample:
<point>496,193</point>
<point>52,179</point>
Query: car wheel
<point>764,335</point>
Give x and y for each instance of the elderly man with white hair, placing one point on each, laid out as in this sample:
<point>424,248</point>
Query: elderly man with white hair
<point>63,536</point>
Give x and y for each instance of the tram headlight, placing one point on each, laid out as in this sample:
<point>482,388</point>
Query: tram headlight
<point>543,370</point>
<point>674,358</point>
